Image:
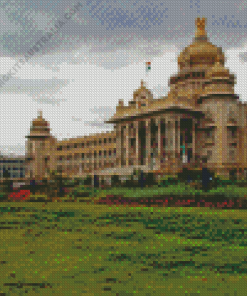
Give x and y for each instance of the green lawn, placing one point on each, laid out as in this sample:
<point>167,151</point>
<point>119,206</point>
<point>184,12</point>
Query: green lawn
<point>180,189</point>
<point>76,249</point>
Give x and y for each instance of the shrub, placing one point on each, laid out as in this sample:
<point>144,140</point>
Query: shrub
<point>88,180</point>
<point>168,180</point>
<point>3,196</point>
<point>115,181</point>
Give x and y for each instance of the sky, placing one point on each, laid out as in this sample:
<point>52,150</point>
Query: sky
<point>89,54</point>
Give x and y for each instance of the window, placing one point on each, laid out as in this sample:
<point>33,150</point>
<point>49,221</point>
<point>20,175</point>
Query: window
<point>115,151</point>
<point>109,152</point>
<point>105,153</point>
<point>109,140</point>
<point>209,154</point>
<point>232,154</point>
<point>114,140</point>
<point>95,154</point>
<point>100,141</point>
<point>75,145</point>
<point>209,133</point>
<point>95,143</point>
<point>104,140</point>
<point>233,131</point>
<point>82,155</point>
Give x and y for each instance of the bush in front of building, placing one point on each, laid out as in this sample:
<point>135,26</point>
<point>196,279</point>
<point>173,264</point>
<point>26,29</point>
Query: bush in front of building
<point>168,180</point>
<point>3,196</point>
<point>87,181</point>
<point>134,180</point>
<point>115,181</point>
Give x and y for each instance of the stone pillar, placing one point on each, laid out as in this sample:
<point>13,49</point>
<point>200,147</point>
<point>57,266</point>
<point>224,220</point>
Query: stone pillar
<point>168,139</point>
<point>148,141</point>
<point>118,144</point>
<point>193,141</point>
<point>220,142</point>
<point>178,140</point>
<point>159,142</point>
<point>173,137</point>
<point>137,143</point>
<point>127,143</point>
<point>163,149</point>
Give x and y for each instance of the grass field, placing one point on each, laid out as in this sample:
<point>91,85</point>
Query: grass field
<point>77,249</point>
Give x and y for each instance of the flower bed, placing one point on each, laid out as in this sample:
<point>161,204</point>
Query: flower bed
<point>22,195</point>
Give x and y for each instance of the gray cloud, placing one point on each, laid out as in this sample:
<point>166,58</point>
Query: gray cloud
<point>111,31</point>
<point>159,91</point>
<point>243,56</point>
<point>17,149</point>
<point>104,113</point>
<point>41,90</point>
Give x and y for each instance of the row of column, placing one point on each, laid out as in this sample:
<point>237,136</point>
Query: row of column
<point>172,136</point>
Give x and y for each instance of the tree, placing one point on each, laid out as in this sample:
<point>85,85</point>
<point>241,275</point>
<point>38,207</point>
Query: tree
<point>7,183</point>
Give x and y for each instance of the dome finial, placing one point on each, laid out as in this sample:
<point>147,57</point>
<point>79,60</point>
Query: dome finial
<point>142,83</point>
<point>40,114</point>
<point>200,24</point>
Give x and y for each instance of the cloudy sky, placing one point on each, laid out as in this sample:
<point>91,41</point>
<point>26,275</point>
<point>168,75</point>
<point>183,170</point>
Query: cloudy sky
<point>89,54</point>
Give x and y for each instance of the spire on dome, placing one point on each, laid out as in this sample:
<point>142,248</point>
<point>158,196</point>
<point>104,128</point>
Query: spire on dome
<point>200,24</point>
<point>40,114</point>
<point>142,83</point>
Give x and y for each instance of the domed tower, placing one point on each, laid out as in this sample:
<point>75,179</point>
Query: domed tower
<point>194,62</point>
<point>40,149</point>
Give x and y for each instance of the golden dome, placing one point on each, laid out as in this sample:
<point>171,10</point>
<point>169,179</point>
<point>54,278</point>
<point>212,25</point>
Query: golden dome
<point>218,70</point>
<point>201,49</point>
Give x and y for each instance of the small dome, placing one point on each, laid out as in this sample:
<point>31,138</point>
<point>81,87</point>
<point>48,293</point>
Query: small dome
<point>218,70</point>
<point>40,121</point>
<point>40,126</point>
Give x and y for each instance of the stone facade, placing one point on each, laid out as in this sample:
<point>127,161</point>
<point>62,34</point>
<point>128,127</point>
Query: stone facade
<point>201,122</point>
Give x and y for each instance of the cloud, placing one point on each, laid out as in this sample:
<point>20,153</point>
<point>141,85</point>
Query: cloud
<point>17,149</point>
<point>43,91</point>
<point>243,56</point>
<point>104,113</point>
<point>160,90</point>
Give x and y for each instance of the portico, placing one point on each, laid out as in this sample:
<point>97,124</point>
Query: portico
<point>159,142</point>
